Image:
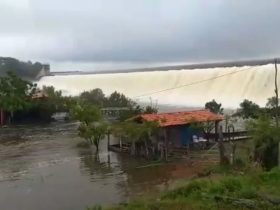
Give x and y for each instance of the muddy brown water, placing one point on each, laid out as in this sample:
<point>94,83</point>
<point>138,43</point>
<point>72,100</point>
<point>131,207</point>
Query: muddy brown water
<point>42,169</point>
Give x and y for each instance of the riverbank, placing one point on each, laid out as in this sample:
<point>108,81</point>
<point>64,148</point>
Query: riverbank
<point>229,190</point>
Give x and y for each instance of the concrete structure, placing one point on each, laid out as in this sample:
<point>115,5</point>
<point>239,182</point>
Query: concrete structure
<point>239,63</point>
<point>45,71</point>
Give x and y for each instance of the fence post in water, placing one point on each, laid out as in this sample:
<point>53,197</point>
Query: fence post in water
<point>221,146</point>
<point>216,131</point>
<point>165,142</point>
<point>108,140</point>
<point>1,117</point>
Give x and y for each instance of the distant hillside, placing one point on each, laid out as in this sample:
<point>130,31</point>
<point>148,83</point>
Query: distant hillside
<point>26,70</point>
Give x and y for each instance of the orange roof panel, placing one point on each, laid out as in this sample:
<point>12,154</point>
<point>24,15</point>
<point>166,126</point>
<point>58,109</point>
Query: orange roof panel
<point>180,118</point>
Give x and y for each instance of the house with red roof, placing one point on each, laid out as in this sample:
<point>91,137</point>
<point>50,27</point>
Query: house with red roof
<point>177,129</point>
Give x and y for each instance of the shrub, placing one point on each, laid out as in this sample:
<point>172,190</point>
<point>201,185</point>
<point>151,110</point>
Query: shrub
<point>192,188</point>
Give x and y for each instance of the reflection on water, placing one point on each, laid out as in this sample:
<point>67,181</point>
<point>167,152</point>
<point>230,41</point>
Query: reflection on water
<point>41,168</point>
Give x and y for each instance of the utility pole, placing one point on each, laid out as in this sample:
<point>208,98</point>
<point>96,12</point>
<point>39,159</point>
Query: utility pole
<point>276,93</point>
<point>277,106</point>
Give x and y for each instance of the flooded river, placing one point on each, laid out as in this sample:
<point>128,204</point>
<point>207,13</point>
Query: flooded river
<point>42,169</point>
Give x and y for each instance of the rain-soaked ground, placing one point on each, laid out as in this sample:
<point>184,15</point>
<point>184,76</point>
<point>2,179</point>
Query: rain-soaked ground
<point>42,169</point>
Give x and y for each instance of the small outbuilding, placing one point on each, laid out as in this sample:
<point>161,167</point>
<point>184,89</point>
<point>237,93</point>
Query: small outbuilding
<point>175,132</point>
<point>178,129</point>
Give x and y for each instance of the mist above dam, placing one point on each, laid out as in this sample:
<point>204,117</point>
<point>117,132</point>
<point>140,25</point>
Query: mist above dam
<point>181,87</point>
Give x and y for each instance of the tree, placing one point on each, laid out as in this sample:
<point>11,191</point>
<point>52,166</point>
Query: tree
<point>249,109</point>
<point>86,113</point>
<point>15,93</point>
<point>214,107</point>
<point>118,100</point>
<point>150,110</point>
<point>92,127</point>
<point>95,97</point>
<point>136,133</point>
<point>93,132</point>
<point>26,70</point>
<point>272,102</point>
<point>266,137</point>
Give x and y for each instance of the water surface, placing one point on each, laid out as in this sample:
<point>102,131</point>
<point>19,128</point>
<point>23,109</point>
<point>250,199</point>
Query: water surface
<point>41,168</point>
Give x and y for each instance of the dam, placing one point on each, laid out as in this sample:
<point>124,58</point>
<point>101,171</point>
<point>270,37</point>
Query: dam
<point>185,85</point>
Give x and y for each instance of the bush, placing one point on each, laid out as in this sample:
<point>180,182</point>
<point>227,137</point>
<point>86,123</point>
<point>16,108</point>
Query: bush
<point>271,176</point>
<point>192,188</point>
<point>239,163</point>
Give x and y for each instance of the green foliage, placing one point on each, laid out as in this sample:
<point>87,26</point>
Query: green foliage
<point>214,107</point>
<point>93,132</point>
<point>249,109</point>
<point>131,112</point>
<point>135,131</point>
<point>272,102</point>
<point>15,93</point>
<point>86,113</point>
<point>192,188</point>
<point>94,97</point>
<point>118,100</point>
<point>227,192</point>
<point>92,128</point>
<point>150,110</point>
<point>266,137</point>
<point>26,70</point>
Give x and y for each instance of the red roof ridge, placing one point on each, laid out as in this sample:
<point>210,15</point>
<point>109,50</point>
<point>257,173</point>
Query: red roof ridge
<point>181,117</point>
<point>179,112</point>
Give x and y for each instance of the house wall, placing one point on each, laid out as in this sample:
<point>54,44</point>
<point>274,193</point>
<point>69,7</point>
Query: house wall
<point>181,135</point>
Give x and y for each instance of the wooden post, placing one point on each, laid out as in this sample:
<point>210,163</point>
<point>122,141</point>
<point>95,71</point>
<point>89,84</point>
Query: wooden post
<point>221,146</point>
<point>1,117</point>
<point>120,142</point>
<point>279,154</point>
<point>216,130</point>
<point>165,143</point>
<point>108,140</point>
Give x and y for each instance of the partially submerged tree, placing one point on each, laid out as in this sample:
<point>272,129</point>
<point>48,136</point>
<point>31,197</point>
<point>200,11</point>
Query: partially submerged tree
<point>93,133</point>
<point>92,128</point>
<point>136,133</point>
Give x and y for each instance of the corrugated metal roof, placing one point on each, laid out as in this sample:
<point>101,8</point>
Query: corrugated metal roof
<point>180,118</point>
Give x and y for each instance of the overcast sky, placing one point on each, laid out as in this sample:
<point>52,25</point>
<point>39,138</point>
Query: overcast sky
<point>100,34</point>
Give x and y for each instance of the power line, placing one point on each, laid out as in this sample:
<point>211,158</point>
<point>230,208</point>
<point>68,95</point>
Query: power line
<point>193,83</point>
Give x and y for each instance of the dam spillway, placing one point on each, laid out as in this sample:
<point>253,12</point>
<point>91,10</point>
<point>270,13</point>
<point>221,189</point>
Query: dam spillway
<point>181,87</point>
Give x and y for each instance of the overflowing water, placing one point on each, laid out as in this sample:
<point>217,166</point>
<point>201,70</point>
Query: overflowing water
<point>41,168</point>
<point>192,88</point>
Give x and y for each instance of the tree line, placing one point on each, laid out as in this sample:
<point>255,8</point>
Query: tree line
<point>27,70</point>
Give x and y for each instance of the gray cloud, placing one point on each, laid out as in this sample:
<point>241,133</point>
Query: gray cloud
<point>120,31</point>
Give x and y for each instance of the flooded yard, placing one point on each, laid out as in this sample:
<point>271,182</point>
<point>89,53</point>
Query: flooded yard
<point>41,168</point>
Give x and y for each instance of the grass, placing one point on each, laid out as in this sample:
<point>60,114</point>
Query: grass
<point>229,190</point>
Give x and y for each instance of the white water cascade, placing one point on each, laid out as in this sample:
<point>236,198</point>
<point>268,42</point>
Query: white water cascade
<point>192,88</point>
